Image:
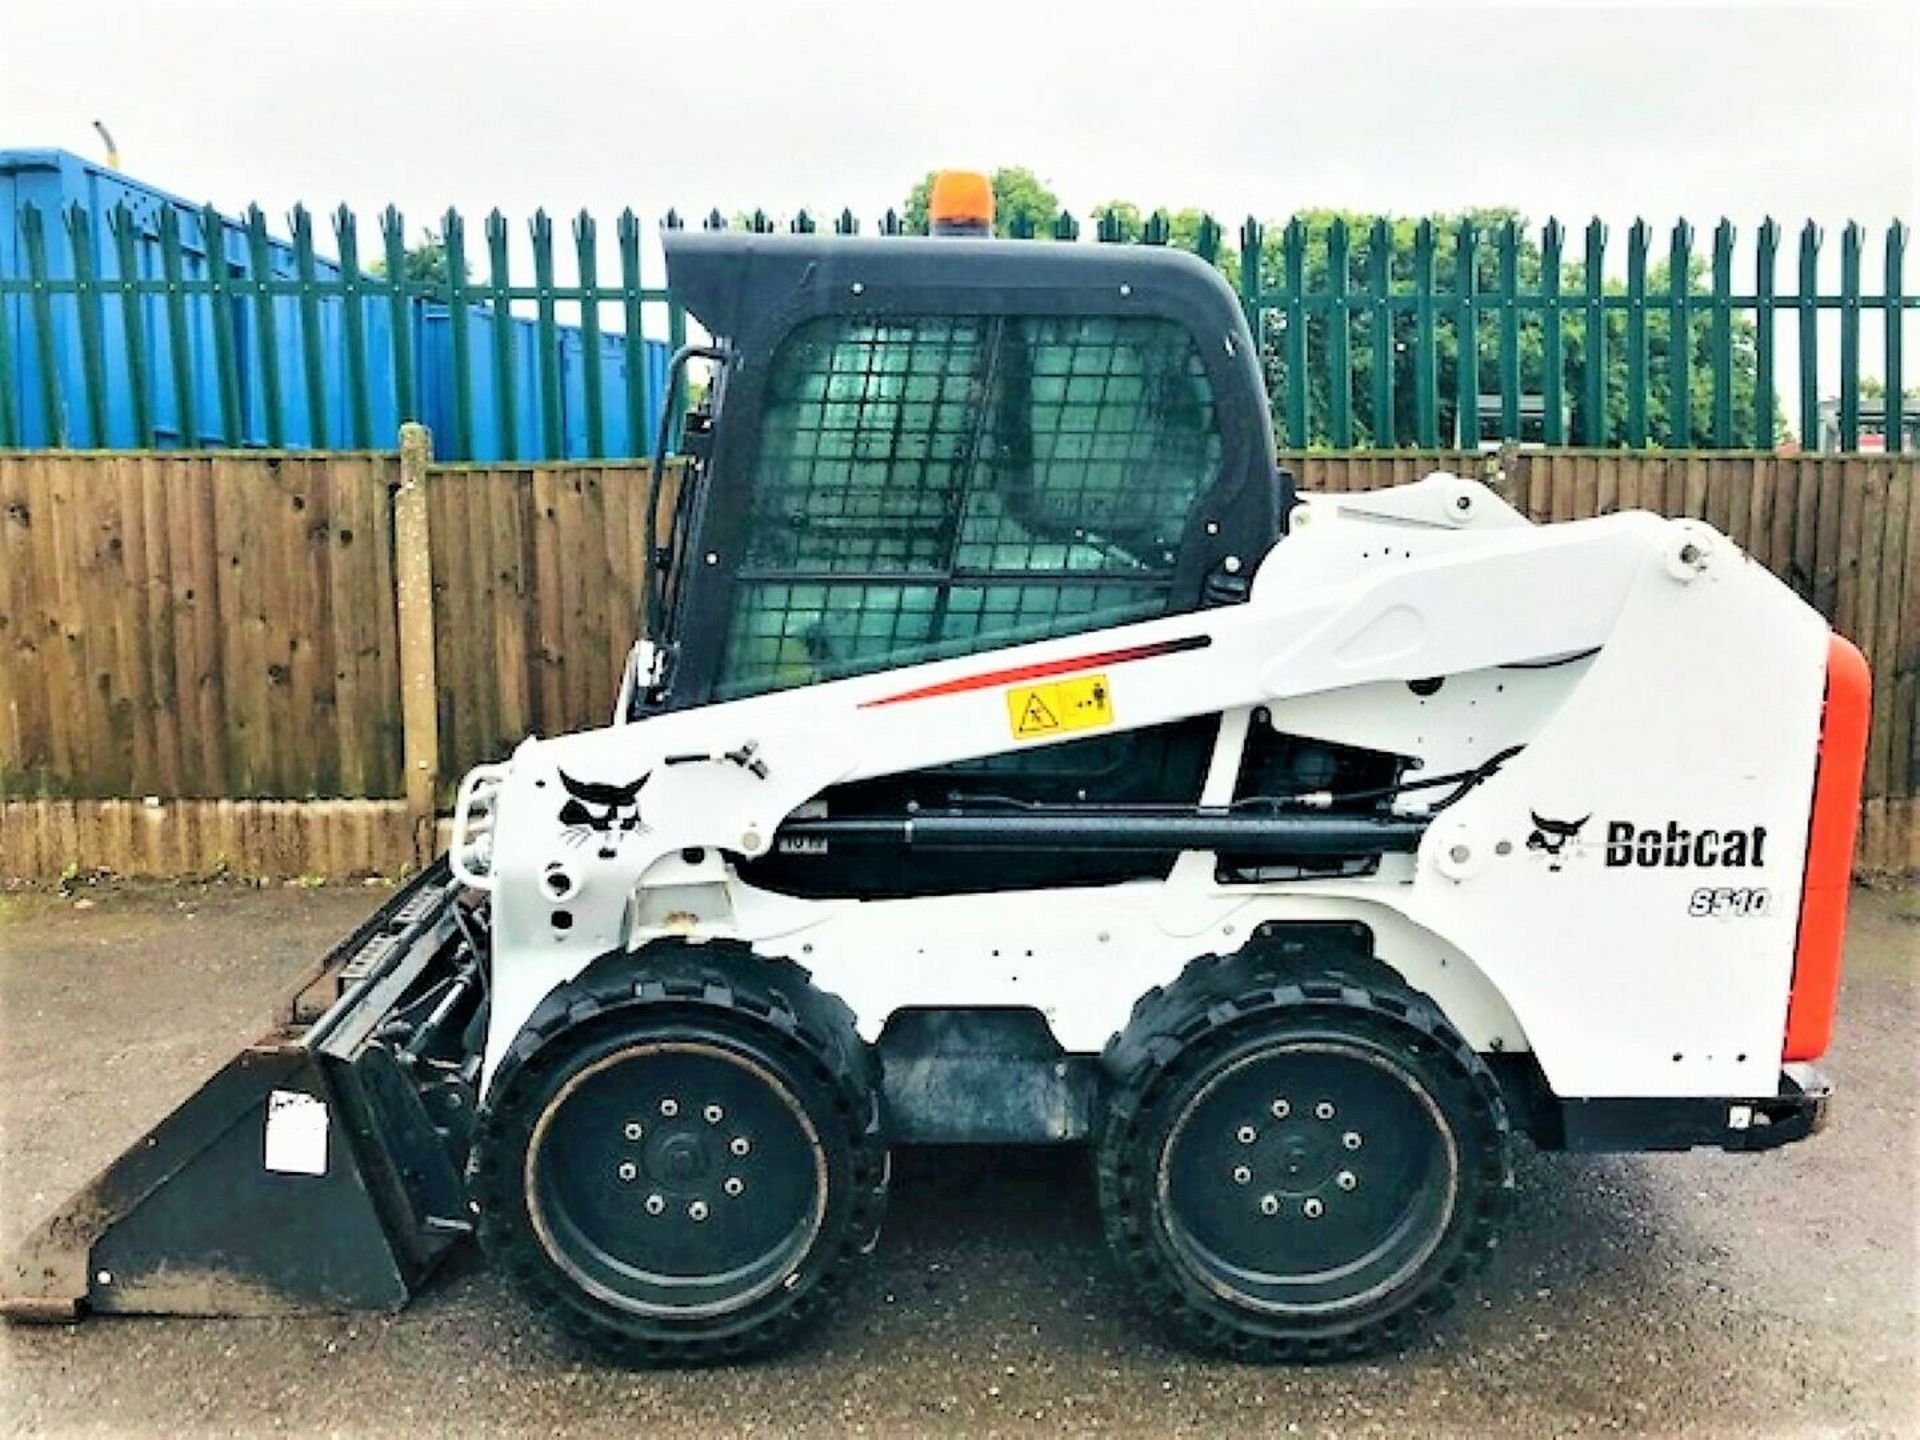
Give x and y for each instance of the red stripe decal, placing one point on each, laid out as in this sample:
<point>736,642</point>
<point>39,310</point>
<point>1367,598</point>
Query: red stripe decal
<point>1043,668</point>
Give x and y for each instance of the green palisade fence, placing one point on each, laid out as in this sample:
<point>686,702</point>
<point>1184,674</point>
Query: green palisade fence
<point>1380,335</point>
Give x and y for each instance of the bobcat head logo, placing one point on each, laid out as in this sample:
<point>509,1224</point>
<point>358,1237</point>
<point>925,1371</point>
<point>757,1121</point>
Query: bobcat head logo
<point>1550,837</point>
<point>605,813</point>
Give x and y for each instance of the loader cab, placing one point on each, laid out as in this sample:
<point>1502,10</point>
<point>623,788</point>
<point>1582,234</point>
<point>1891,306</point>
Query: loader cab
<point>922,448</point>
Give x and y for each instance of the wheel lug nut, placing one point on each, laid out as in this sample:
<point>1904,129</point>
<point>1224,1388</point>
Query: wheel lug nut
<point>628,1170</point>
<point>669,1108</point>
<point>1313,1207</point>
<point>1269,1204</point>
<point>1324,1110</point>
<point>656,1204</point>
<point>739,1145</point>
<point>1351,1139</point>
<point>1346,1180</point>
<point>1281,1109</point>
<point>697,1210</point>
<point>1246,1135</point>
<point>634,1132</point>
<point>734,1185</point>
<point>1241,1174</point>
<point>714,1114</point>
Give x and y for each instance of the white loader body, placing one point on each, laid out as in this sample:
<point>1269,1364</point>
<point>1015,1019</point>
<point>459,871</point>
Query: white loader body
<point>1667,692</point>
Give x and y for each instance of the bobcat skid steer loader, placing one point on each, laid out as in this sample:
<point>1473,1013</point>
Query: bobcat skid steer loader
<point>1014,757</point>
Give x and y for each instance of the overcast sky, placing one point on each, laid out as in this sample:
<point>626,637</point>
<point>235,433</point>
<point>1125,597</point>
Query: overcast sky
<point>1799,111</point>
<point>1556,108</point>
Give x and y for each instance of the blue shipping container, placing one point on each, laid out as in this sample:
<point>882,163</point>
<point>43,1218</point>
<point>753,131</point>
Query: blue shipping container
<point>56,183</point>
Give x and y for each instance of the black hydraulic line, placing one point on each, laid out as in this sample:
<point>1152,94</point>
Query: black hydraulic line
<point>1463,780</point>
<point>464,983</point>
<point>1140,832</point>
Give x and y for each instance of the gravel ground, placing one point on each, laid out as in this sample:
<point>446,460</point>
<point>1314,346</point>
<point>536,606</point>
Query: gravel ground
<point>1693,1294</point>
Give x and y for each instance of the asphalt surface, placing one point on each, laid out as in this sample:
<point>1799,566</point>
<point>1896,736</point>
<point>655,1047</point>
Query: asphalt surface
<point>1672,1295</point>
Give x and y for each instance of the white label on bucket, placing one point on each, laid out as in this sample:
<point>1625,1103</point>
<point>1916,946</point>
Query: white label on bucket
<point>296,1133</point>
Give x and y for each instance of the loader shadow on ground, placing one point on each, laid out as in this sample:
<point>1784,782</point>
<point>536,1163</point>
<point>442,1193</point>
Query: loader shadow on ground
<point>1667,1294</point>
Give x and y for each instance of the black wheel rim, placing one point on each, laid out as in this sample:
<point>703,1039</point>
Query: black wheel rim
<point>676,1178</point>
<point>1308,1176</point>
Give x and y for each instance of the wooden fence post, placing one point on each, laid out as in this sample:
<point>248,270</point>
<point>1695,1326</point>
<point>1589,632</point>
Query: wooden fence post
<point>413,585</point>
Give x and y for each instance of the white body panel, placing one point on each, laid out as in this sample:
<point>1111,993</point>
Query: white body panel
<point>1665,680</point>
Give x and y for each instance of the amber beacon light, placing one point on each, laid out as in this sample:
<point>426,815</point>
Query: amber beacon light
<point>961,204</point>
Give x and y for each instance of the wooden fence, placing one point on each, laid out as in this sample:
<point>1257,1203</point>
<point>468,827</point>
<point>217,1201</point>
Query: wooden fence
<point>190,641</point>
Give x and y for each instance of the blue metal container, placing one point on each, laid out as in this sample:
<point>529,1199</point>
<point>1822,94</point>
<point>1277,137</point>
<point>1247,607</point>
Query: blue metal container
<point>56,182</point>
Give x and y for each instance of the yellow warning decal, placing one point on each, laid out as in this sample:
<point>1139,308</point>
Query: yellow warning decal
<point>1037,711</point>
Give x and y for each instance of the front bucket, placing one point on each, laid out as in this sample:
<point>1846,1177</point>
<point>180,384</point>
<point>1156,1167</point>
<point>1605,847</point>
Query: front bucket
<point>313,1173</point>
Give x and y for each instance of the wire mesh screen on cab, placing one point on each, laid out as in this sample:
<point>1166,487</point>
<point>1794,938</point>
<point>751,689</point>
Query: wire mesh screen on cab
<point>929,486</point>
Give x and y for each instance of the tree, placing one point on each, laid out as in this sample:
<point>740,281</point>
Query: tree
<point>1872,387</point>
<point>1184,227</point>
<point>1118,220</point>
<point>1489,229</point>
<point>426,262</point>
<point>1018,195</point>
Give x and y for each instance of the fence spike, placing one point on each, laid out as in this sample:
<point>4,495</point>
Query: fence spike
<point>639,386</point>
<point>186,404</point>
<point>1339,338</point>
<point>1466,364</point>
<point>1765,266</point>
<point>1680,337</point>
<point>1893,420</point>
<point>546,341</point>
<point>133,322</point>
<point>393,236</point>
<point>1507,249</point>
<point>1851,239</point>
<point>453,246</point>
<point>53,410</point>
<point>501,327</point>
<point>1720,334</point>
<point>266,324</point>
<point>1638,237</point>
<point>1553,401</point>
<point>312,346</point>
<point>1293,272</point>
<point>586,238</point>
<point>1206,240</point>
<point>1426,341</point>
<point>1807,305</point>
<point>93,380</point>
<point>1381,428</point>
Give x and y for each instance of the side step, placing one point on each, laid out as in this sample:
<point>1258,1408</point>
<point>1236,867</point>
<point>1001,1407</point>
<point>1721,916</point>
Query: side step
<point>319,1170</point>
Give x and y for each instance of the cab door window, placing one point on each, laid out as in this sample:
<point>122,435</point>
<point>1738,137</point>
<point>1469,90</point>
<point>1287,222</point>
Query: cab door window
<point>931,486</point>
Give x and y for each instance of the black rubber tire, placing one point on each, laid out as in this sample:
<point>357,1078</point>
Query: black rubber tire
<point>802,1044</point>
<point>1226,1011</point>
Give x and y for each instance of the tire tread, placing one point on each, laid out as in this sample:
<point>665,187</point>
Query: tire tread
<point>728,982</point>
<point>1174,1030</point>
